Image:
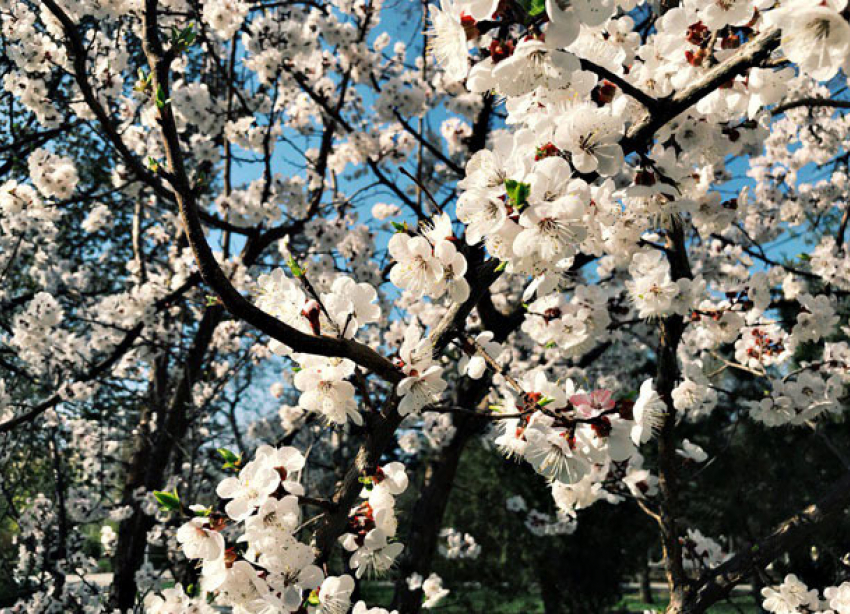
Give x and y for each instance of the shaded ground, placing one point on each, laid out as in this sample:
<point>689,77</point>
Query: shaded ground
<point>480,601</point>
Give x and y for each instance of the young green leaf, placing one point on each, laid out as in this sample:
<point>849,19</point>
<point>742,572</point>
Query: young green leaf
<point>296,269</point>
<point>168,501</point>
<point>518,193</point>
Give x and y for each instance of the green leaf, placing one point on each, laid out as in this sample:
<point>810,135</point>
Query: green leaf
<point>231,460</point>
<point>536,8</point>
<point>545,401</point>
<point>168,501</point>
<point>296,269</point>
<point>805,257</point>
<point>532,8</point>
<point>182,39</point>
<point>228,456</point>
<point>518,192</point>
<point>502,266</point>
<point>160,100</point>
<point>400,227</point>
<point>313,599</point>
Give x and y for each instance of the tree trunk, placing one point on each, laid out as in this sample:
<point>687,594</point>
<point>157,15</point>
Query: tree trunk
<point>427,515</point>
<point>151,454</point>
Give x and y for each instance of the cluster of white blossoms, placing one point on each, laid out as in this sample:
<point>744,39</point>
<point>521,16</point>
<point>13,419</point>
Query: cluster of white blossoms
<point>654,292</point>
<point>252,558</point>
<point>372,524</point>
<point>432,589</point>
<point>583,154</point>
<point>540,523</point>
<point>537,196</point>
<point>794,597</point>
<point>423,381</point>
<point>458,545</point>
<point>701,552</point>
<point>226,17</point>
<point>344,310</point>
<point>429,264</point>
<point>572,325</point>
<point>54,176</point>
<point>584,443</point>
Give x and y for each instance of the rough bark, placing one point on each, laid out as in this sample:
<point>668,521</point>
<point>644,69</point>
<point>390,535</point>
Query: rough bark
<point>670,331</point>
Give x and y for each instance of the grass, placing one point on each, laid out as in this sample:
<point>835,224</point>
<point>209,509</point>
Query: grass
<point>739,604</point>
<point>481,601</point>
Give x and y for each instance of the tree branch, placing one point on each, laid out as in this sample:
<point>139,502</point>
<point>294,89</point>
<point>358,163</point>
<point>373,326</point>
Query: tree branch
<point>719,582</point>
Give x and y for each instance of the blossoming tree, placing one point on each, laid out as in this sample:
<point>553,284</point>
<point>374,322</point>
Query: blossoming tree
<point>595,251</point>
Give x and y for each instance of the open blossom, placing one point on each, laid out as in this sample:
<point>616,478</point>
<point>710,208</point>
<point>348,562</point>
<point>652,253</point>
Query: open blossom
<point>258,479</point>
<point>417,269</point>
<point>533,65</point>
<point>554,453</point>
<point>199,541</point>
<point>449,39</point>
<point>255,483</point>
<point>649,412</point>
<point>281,515</point>
<point>424,380</point>
<point>789,597</point>
<point>392,479</point>
<point>376,556</point>
<point>351,305</point>
<point>551,230</point>
<point>483,213</point>
<point>592,138</point>
<point>325,389</point>
<point>815,35</point>
<point>594,404</point>
<point>335,594</point>
<point>419,389</point>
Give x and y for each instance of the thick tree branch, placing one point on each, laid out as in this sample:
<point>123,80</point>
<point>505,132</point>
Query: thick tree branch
<point>211,272</point>
<point>717,583</point>
<point>746,57</point>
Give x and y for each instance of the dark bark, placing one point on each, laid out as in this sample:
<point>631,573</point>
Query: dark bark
<point>670,331</point>
<point>427,515</point>
<point>717,584</point>
<point>151,456</point>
